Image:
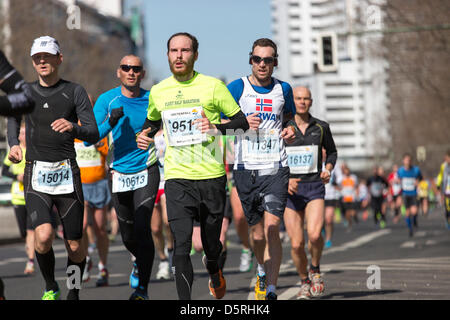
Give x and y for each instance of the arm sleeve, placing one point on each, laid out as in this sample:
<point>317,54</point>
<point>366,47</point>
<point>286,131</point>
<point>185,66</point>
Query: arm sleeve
<point>238,121</point>
<point>12,131</point>
<point>329,145</point>
<point>154,125</point>
<point>88,130</point>
<point>5,169</point>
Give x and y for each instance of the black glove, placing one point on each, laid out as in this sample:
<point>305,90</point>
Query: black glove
<point>115,115</point>
<point>22,100</point>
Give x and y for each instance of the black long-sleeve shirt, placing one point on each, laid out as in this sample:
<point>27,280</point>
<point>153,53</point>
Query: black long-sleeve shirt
<point>66,100</point>
<point>317,133</point>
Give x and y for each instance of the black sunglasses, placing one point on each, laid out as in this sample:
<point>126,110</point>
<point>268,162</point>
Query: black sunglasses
<point>258,59</point>
<point>127,68</point>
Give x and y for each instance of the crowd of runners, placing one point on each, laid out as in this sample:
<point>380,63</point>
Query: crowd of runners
<point>169,169</point>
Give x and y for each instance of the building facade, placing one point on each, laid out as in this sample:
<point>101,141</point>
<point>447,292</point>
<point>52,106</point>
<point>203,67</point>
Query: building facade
<point>353,98</point>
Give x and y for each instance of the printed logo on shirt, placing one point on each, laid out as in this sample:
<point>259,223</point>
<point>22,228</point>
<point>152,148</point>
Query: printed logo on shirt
<point>264,105</point>
<point>45,106</point>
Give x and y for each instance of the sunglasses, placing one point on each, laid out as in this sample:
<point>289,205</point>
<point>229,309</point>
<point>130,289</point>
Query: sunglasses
<point>258,59</point>
<point>127,68</point>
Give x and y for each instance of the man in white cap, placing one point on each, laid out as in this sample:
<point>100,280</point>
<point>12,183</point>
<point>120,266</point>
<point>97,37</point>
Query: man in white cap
<point>52,176</point>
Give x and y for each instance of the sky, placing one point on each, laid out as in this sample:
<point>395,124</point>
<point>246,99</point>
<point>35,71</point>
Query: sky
<point>225,30</point>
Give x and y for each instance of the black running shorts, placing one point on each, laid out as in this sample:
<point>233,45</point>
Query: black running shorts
<point>259,193</point>
<point>70,206</point>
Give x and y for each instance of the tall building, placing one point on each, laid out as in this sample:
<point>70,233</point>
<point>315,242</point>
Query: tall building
<point>352,97</point>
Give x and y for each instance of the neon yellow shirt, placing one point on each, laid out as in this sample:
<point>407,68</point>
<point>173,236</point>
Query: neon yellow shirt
<point>202,160</point>
<point>17,193</point>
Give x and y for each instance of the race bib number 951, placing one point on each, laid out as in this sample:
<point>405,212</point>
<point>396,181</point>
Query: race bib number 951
<point>180,127</point>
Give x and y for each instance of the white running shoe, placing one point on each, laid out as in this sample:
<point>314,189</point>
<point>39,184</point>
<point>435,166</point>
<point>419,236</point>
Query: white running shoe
<point>305,292</point>
<point>317,285</point>
<point>246,261</point>
<point>163,271</point>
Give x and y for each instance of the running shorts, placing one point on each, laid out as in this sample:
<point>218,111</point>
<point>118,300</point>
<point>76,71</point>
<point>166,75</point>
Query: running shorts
<point>70,206</point>
<point>259,193</point>
<point>307,191</point>
<point>97,194</point>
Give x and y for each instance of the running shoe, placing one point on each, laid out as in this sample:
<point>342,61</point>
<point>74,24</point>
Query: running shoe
<point>163,271</point>
<point>260,287</point>
<point>137,295</point>
<point>327,244</point>
<point>29,267</point>
<point>317,285</point>
<point>51,295</point>
<point>102,280</point>
<point>271,296</point>
<point>246,261</point>
<point>382,224</point>
<point>134,277</point>
<point>87,269</point>
<point>305,291</point>
<point>217,285</point>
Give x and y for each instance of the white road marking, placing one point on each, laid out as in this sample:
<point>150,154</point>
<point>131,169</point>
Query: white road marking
<point>291,292</point>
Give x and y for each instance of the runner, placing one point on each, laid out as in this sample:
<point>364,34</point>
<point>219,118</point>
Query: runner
<point>134,173</point>
<point>331,203</point>
<point>423,194</point>
<point>395,190</point>
<point>443,185</point>
<point>91,161</point>
<point>160,224</point>
<point>261,172</point>
<point>52,176</point>
<point>349,193</point>
<point>189,104</point>
<point>410,176</point>
<point>15,172</point>
<point>307,191</point>
<point>362,200</point>
<point>377,184</point>
<point>18,100</point>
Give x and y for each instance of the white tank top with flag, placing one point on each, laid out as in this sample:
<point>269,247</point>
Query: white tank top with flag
<point>262,149</point>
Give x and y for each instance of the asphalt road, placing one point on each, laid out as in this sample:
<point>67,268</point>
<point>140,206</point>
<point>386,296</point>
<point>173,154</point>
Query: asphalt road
<point>367,263</point>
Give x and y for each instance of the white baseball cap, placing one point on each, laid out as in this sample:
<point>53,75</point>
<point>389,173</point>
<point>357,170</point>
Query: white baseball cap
<point>45,44</point>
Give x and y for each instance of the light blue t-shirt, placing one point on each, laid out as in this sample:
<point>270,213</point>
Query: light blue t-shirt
<point>126,156</point>
<point>408,180</point>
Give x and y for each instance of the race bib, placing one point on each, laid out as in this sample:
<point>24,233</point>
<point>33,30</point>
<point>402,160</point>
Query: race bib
<point>87,156</point>
<point>52,177</point>
<point>376,189</point>
<point>348,194</point>
<point>447,188</point>
<point>122,182</point>
<point>262,146</point>
<point>180,127</point>
<point>409,184</point>
<point>302,159</point>
<point>396,189</point>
